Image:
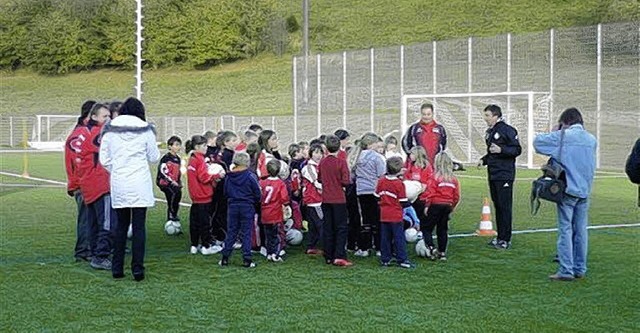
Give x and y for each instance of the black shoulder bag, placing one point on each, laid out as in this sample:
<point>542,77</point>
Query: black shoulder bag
<point>552,184</point>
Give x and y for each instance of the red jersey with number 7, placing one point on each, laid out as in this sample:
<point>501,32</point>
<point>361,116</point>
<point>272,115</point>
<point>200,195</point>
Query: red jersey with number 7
<point>274,196</point>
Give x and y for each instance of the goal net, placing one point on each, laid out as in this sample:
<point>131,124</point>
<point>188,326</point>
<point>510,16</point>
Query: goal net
<point>51,131</point>
<point>462,116</point>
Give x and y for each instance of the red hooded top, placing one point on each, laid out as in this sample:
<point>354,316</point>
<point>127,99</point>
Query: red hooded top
<point>201,183</point>
<point>72,155</point>
<point>94,178</point>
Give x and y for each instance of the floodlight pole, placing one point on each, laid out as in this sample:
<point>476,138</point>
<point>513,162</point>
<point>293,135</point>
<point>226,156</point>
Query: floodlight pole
<point>139,40</point>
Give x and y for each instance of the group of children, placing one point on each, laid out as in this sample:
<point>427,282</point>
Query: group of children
<point>354,197</point>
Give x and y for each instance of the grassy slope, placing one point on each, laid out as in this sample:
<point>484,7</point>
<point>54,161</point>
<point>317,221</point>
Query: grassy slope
<point>263,85</point>
<point>478,289</point>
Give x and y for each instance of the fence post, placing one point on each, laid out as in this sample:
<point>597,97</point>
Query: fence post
<point>11,132</point>
<point>344,89</point>
<point>173,126</point>
<point>273,123</point>
<point>509,73</point>
<point>401,82</point>
<point>48,128</point>
<point>319,93</point>
<point>434,69</point>
<point>598,99</point>
<point>372,113</point>
<point>204,124</point>
<point>551,65</point>
<point>469,88</point>
<point>295,100</point>
<point>188,126</point>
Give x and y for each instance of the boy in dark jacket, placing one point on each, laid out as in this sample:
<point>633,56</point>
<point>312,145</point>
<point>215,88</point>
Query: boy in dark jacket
<point>168,178</point>
<point>242,191</point>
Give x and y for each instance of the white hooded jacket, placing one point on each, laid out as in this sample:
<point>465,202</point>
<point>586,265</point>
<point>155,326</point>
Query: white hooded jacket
<point>128,146</point>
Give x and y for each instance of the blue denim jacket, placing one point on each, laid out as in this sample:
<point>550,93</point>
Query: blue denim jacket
<point>578,157</point>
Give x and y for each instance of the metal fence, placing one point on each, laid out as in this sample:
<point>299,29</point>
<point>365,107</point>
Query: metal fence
<point>594,68</point>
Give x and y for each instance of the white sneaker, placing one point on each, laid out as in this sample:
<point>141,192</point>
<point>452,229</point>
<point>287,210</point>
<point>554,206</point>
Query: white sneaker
<point>219,243</point>
<point>269,257</point>
<point>209,250</point>
<point>263,251</point>
<point>361,253</point>
<point>378,254</point>
<point>216,248</point>
<point>237,245</point>
<point>193,250</point>
<point>282,253</point>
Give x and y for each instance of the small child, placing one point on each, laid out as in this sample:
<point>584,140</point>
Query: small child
<point>304,149</point>
<point>443,194</point>
<point>201,188</point>
<point>242,191</point>
<point>333,173</point>
<point>168,178</point>
<point>312,198</point>
<point>391,192</point>
<point>274,197</point>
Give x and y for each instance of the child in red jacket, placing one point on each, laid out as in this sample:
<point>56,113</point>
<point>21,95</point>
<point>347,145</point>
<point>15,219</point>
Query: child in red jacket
<point>274,197</point>
<point>441,197</point>
<point>202,181</point>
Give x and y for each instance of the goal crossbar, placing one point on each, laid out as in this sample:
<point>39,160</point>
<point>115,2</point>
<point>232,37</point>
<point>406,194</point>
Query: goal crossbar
<point>530,95</point>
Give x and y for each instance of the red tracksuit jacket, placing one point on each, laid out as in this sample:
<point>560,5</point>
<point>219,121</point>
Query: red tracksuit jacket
<point>201,183</point>
<point>94,178</point>
<point>441,192</point>
<point>72,155</point>
<point>274,196</point>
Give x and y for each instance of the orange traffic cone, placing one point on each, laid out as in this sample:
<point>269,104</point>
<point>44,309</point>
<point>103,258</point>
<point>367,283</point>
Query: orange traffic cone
<point>485,228</point>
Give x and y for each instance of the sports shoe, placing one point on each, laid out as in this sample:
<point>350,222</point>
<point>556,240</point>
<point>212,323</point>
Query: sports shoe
<point>138,277</point>
<point>342,262</point>
<point>248,264</point>
<point>314,251</point>
<point>493,242</point>
<point>406,264</point>
<point>275,258</point>
<point>237,245</point>
<point>193,250</point>
<point>100,263</point>
<point>503,245</point>
<point>219,243</point>
<point>578,276</point>
<point>556,259</point>
<point>385,263</point>
<point>442,256</point>
<point>378,254</point>
<point>432,253</point>
<point>282,253</point>
<point>361,253</point>
<point>263,251</point>
<point>210,250</point>
<point>224,262</point>
<point>558,277</point>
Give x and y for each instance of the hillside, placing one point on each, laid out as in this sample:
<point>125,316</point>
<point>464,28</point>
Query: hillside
<point>262,85</point>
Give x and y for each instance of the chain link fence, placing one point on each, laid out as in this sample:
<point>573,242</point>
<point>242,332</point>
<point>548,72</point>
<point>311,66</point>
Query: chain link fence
<point>594,68</point>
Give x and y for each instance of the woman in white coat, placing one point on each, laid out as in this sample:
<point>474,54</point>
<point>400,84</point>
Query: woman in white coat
<point>128,145</point>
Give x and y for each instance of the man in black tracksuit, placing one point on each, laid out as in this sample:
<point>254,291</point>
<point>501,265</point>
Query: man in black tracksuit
<point>502,149</point>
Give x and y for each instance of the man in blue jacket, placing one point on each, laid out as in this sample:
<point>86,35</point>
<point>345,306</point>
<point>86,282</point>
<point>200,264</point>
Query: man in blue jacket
<point>579,162</point>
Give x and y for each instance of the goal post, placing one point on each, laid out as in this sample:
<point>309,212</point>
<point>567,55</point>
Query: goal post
<point>462,116</point>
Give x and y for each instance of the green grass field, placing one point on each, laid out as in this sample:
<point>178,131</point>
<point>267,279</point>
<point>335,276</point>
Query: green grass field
<point>478,289</point>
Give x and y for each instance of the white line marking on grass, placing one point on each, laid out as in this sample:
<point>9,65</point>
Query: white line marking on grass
<point>530,231</point>
<point>8,151</point>
<point>32,185</point>
<point>532,179</point>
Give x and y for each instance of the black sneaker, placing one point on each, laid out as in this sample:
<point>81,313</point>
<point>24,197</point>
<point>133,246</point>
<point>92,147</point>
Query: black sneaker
<point>503,245</point>
<point>493,242</point>
<point>556,259</point>
<point>384,263</point>
<point>406,264</point>
<point>224,262</point>
<point>248,264</point>
<point>442,256</point>
<point>101,263</point>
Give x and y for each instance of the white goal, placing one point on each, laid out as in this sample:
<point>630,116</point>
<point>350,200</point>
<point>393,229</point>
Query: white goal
<point>51,131</point>
<point>462,116</point>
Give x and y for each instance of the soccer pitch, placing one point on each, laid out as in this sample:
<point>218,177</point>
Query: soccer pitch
<point>479,289</point>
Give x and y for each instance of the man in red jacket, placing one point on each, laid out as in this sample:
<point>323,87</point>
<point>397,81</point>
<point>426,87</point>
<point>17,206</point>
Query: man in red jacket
<point>95,187</point>
<point>71,160</point>
<point>426,133</point>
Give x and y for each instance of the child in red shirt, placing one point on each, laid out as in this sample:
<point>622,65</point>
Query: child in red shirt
<point>442,196</point>
<point>392,195</point>
<point>201,187</point>
<point>274,197</point>
<point>312,198</point>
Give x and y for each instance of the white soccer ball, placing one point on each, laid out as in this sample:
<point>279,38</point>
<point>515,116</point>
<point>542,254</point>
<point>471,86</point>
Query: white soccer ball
<point>172,228</point>
<point>421,249</point>
<point>130,231</point>
<point>413,189</point>
<point>284,170</point>
<point>286,212</point>
<point>294,237</point>
<point>215,169</point>
<point>411,235</point>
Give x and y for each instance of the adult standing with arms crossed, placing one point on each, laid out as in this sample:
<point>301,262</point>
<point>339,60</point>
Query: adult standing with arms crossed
<point>575,149</point>
<point>502,149</point>
<point>128,146</point>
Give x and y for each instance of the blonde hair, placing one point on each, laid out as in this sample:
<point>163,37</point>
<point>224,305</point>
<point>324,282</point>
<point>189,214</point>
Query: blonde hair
<point>444,167</point>
<point>367,139</point>
<point>422,161</point>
